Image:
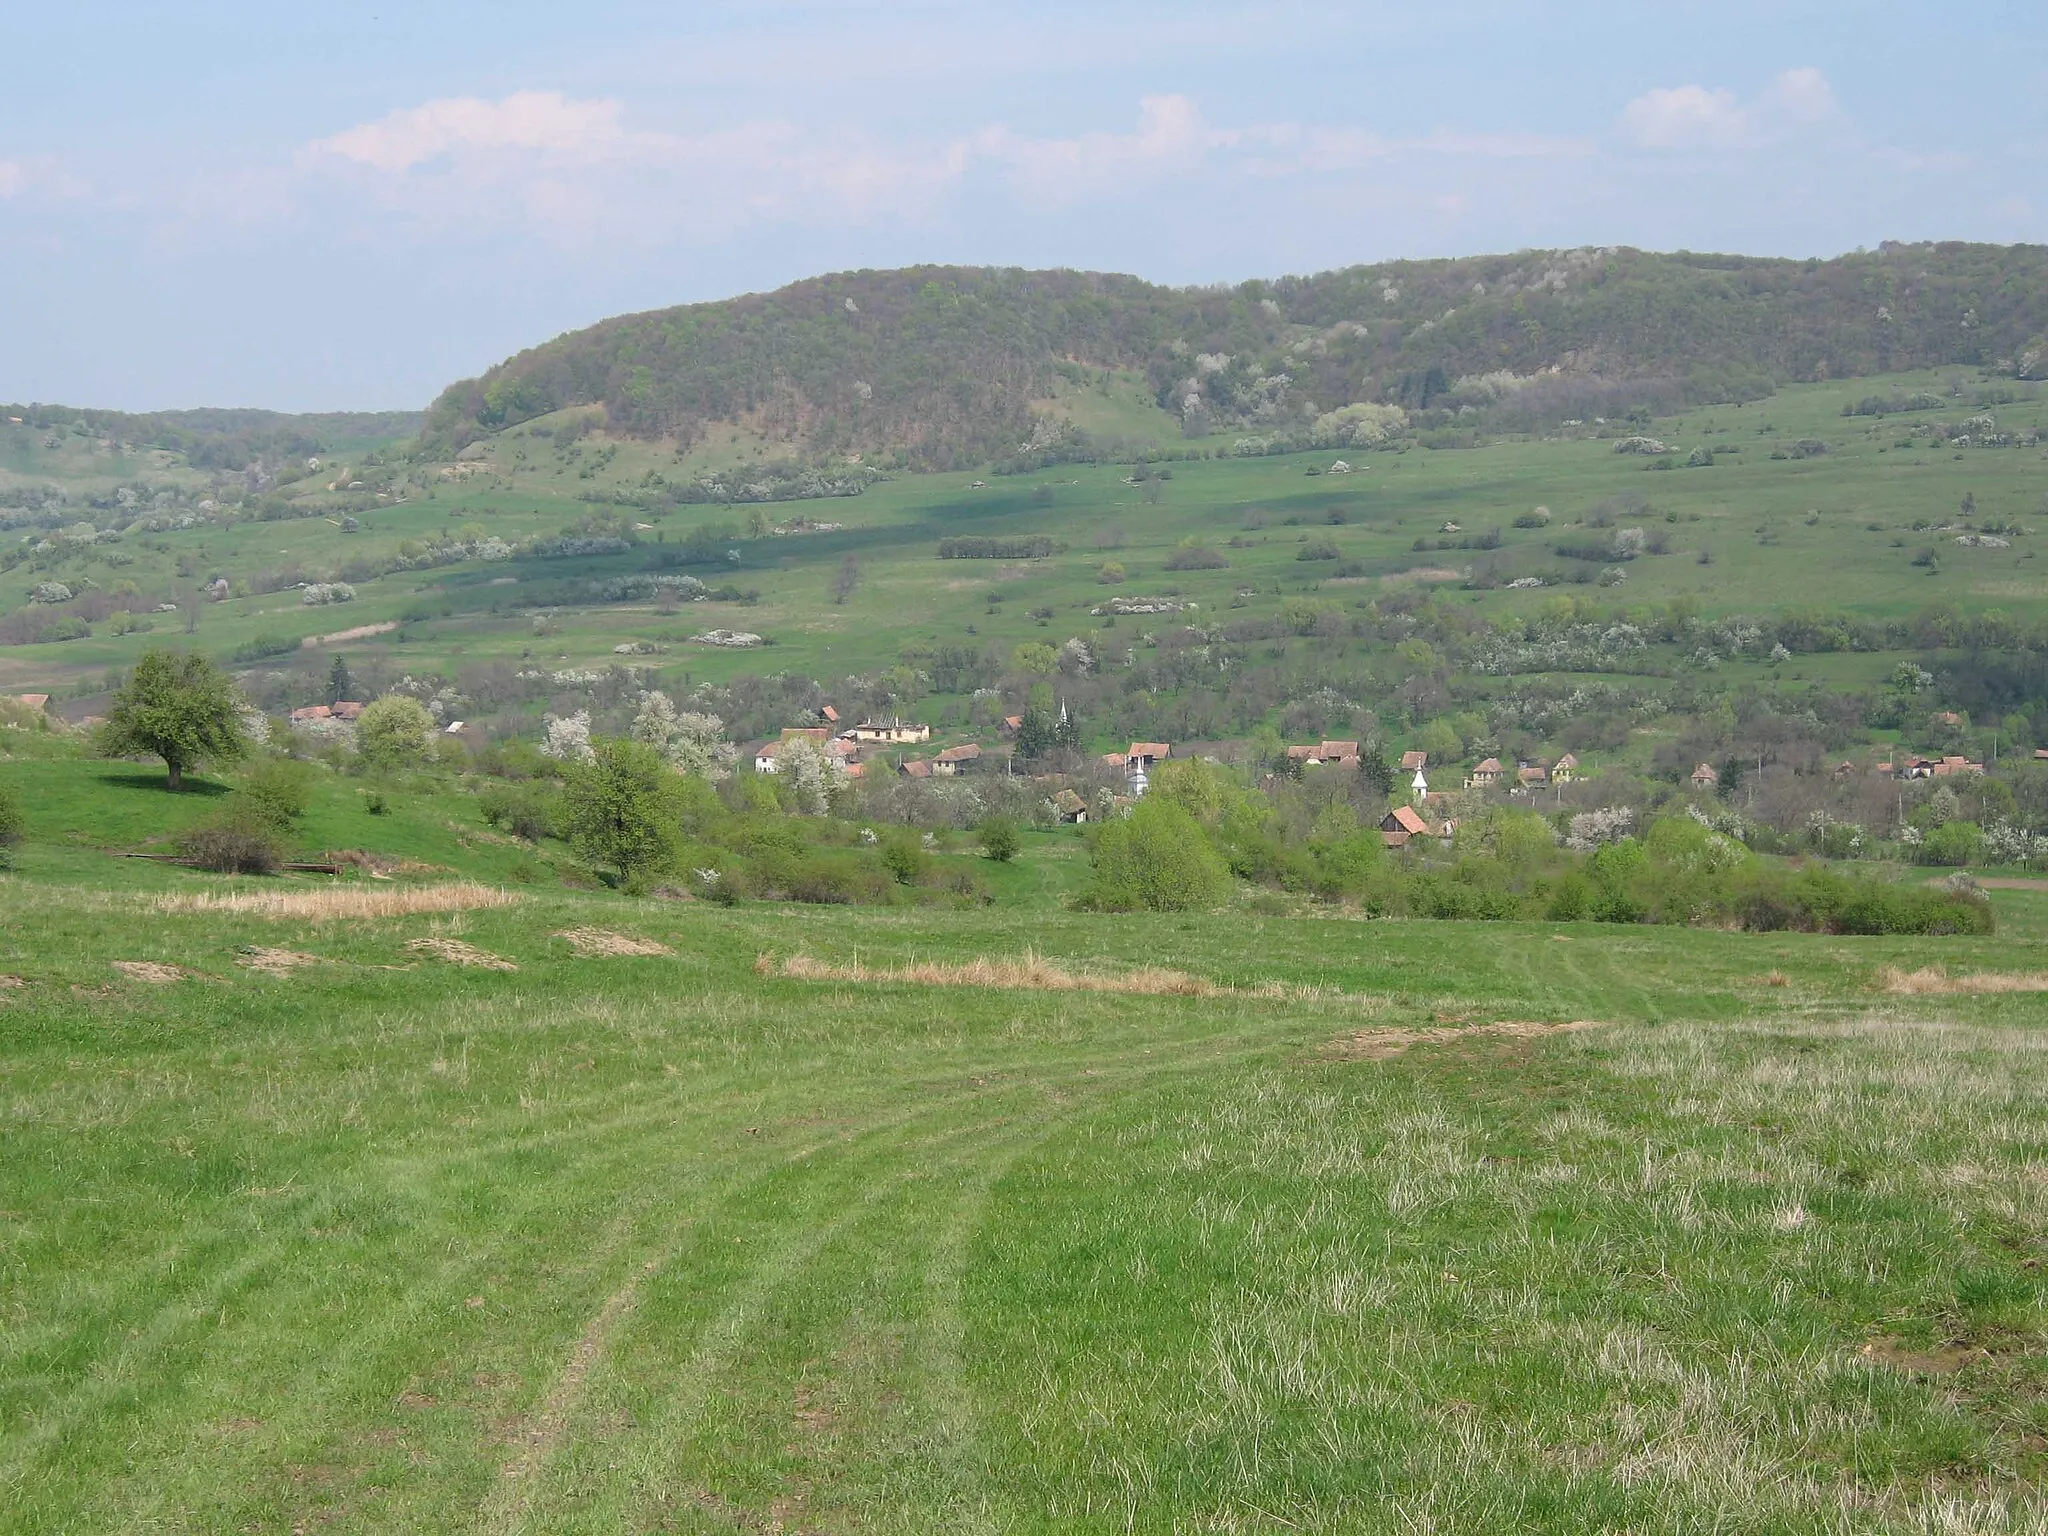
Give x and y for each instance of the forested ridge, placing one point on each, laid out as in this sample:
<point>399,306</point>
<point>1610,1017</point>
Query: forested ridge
<point>227,439</point>
<point>939,366</point>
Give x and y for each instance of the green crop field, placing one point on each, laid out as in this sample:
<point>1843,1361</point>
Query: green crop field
<point>441,1220</point>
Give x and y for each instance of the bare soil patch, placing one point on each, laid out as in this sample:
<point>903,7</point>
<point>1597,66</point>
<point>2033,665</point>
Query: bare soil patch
<point>1934,980</point>
<point>455,952</point>
<point>1941,1360</point>
<point>1027,973</point>
<point>343,901</point>
<point>151,971</point>
<point>598,942</point>
<point>9,983</point>
<point>360,632</point>
<point>1379,1044</point>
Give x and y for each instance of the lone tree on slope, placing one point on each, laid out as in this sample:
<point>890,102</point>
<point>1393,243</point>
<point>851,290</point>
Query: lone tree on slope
<point>177,706</point>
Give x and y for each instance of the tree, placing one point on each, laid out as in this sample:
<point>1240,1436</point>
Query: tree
<point>690,743</point>
<point>618,809</point>
<point>393,732</point>
<point>177,706</point>
<point>1156,859</point>
<point>1036,734</point>
<point>846,580</point>
<point>339,684</point>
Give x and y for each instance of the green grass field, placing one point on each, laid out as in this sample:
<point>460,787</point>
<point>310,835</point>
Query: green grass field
<point>355,1237</point>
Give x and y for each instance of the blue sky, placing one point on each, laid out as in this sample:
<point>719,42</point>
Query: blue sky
<point>317,205</point>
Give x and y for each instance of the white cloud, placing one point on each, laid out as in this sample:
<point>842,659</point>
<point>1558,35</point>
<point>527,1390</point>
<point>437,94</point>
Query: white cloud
<point>575,170</point>
<point>1693,117</point>
<point>526,122</point>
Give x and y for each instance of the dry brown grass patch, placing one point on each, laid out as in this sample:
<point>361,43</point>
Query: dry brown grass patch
<point>274,962</point>
<point>1935,980</point>
<point>1378,1044</point>
<point>151,971</point>
<point>455,952</point>
<point>1027,973</point>
<point>599,942</point>
<point>346,901</point>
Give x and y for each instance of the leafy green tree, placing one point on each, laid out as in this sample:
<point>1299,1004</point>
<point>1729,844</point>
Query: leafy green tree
<point>339,683</point>
<point>177,706</point>
<point>394,731</point>
<point>1000,839</point>
<point>618,810</point>
<point>1156,859</point>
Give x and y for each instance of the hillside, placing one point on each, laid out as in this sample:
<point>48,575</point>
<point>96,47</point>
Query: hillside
<point>941,367</point>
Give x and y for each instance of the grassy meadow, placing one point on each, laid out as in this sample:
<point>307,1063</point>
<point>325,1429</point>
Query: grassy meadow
<point>444,1202</point>
<point>1833,531</point>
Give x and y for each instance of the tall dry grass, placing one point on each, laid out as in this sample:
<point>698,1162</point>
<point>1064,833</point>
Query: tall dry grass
<point>345,901</point>
<point>1027,972</point>
<point>1934,980</point>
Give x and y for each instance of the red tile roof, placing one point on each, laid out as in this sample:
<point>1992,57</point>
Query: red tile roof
<point>1410,820</point>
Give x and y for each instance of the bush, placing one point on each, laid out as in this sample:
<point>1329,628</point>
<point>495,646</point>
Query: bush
<point>524,809</point>
<point>1156,859</point>
<point>1193,555</point>
<point>277,792</point>
<point>11,828</point>
<point>1000,839</point>
<point>234,845</point>
<point>1318,549</point>
<point>904,857</point>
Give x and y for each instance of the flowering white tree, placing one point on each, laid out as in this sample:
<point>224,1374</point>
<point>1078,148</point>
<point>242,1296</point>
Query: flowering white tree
<point>690,743</point>
<point>810,772</point>
<point>568,738</point>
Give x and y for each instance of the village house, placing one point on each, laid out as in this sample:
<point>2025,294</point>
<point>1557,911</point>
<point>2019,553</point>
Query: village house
<point>34,700</point>
<point>916,768</point>
<point>1414,762</point>
<point>1531,776</point>
<point>765,755</point>
<point>1704,777</point>
<point>956,760</point>
<point>1069,807</point>
<point>1145,754</point>
<point>1334,754</point>
<point>1565,769</point>
<point>1939,767</point>
<point>1012,724</point>
<point>1486,775</point>
<point>1400,824</point>
<point>892,733</point>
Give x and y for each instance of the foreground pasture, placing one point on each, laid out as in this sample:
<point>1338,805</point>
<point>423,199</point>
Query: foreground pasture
<point>575,1213</point>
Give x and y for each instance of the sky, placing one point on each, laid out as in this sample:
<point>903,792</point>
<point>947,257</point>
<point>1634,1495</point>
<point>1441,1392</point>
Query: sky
<point>319,205</point>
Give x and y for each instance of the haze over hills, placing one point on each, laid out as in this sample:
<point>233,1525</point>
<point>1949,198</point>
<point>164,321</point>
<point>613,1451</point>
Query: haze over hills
<point>941,367</point>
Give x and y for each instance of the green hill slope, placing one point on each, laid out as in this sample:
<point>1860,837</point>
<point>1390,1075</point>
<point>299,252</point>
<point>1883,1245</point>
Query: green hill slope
<point>940,367</point>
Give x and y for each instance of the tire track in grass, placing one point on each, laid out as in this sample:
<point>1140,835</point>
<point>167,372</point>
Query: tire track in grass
<point>877,1174</point>
<point>522,1487</point>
